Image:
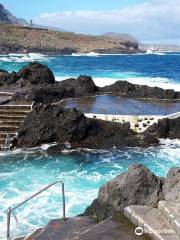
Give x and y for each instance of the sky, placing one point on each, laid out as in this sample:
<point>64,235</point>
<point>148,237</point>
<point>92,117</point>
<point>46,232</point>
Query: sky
<point>147,20</point>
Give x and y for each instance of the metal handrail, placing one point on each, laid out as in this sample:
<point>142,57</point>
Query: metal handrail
<point>10,209</point>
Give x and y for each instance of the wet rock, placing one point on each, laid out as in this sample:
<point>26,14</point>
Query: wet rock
<point>35,74</point>
<point>11,48</point>
<point>160,129</point>
<point>82,86</point>
<point>126,89</point>
<point>165,128</point>
<point>51,123</point>
<point>137,186</point>
<point>7,78</point>
<point>70,88</point>
<point>171,186</point>
<point>32,74</point>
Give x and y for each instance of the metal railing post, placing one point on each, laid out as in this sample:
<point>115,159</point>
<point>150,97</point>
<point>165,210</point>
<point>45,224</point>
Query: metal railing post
<point>8,222</point>
<point>10,210</point>
<point>64,203</point>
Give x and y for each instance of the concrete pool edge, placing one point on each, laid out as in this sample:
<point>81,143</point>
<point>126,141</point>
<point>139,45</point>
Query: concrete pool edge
<point>138,123</point>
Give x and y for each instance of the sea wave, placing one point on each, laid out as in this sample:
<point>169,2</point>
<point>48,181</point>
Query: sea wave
<point>22,57</point>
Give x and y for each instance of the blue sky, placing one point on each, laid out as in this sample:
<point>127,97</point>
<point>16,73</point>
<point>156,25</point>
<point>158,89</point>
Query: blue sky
<point>147,20</point>
<point>31,8</point>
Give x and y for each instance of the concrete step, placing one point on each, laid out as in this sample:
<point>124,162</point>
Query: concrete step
<point>10,122</point>
<point>2,140</point>
<point>172,213</point>
<point>84,228</point>
<point>8,128</point>
<point>151,221</point>
<point>34,234</point>
<point>65,230</point>
<point>23,102</point>
<point>6,117</point>
<point>4,148</point>
<point>113,228</point>
<point>17,107</point>
<point>3,134</point>
<point>14,111</point>
<point>6,93</point>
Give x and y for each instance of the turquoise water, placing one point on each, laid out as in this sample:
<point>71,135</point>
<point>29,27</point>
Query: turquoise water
<point>161,69</point>
<point>22,174</point>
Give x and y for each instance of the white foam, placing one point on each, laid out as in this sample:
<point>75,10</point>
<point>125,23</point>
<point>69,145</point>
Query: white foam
<point>160,82</point>
<point>91,54</point>
<point>164,83</point>
<point>22,57</point>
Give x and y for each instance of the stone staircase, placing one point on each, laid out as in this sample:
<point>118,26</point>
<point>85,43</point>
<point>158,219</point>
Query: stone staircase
<point>11,117</point>
<point>162,223</point>
<point>84,228</point>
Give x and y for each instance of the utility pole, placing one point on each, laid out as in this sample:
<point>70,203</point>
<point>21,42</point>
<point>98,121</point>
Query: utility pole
<point>31,23</point>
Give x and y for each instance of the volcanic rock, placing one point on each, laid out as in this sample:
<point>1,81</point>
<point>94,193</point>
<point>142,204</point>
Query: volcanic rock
<point>171,186</point>
<point>127,89</point>
<point>51,123</point>
<point>35,74</point>
<point>137,186</point>
<point>70,88</point>
<point>165,128</point>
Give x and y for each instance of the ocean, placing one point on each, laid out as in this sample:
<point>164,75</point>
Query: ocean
<point>25,172</point>
<point>159,69</point>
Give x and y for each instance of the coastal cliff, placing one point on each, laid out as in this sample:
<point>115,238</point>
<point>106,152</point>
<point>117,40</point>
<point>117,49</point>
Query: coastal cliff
<point>21,39</point>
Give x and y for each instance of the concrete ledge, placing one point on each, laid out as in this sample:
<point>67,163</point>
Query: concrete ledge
<point>138,123</point>
<point>172,213</point>
<point>152,222</point>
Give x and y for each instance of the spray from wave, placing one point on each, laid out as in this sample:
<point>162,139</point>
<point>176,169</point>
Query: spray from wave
<point>22,57</point>
<point>163,83</point>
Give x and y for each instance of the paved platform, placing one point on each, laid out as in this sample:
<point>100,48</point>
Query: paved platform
<point>152,221</point>
<point>84,228</point>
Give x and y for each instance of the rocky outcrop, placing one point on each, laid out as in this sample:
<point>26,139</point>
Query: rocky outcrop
<point>37,83</point>
<point>32,74</point>
<point>11,48</point>
<point>165,128</point>
<point>171,188</point>
<point>35,74</point>
<point>126,89</point>
<point>137,186</point>
<point>51,123</point>
<point>3,15</point>
<point>17,48</point>
<point>70,88</point>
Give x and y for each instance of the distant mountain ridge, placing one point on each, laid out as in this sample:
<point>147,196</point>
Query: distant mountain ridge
<point>8,17</point>
<point>19,36</point>
<point>123,36</point>
<point>3,15</point>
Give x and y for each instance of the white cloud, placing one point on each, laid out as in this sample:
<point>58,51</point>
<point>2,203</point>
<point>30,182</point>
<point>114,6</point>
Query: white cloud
<point>153,20</point>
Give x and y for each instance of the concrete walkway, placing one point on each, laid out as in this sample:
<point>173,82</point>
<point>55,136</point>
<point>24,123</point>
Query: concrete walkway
<point>84,228</point>
<point>160,224</point>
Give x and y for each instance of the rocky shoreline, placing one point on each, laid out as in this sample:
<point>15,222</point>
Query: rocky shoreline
<point>133,193</point>
<point>49,122</point>
<point>137,186</point>
<point>148,201</point>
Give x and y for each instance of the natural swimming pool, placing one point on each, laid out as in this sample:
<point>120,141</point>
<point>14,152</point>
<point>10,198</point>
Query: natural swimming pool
<point>109,104</point>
